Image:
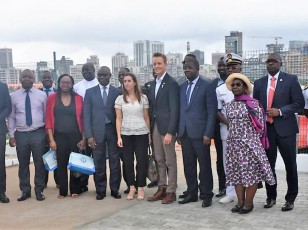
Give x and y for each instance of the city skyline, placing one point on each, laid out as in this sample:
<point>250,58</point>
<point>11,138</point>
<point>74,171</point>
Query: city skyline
<point>77,30</point>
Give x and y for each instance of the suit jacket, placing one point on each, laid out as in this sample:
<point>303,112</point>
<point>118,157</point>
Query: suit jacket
<point>95,112</point>
<point>166,106</point>
<point>288,97</point>
<point>5,106</point>
<point>199,116</point>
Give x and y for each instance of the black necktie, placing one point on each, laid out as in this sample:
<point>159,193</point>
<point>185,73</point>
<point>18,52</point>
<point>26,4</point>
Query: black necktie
<point>105,95</point>
<point>47,92</point>
<point>28,109</point>
<point>188,92</point>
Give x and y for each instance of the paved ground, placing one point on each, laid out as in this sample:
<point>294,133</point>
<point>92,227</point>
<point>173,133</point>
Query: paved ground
<point>87,213</point>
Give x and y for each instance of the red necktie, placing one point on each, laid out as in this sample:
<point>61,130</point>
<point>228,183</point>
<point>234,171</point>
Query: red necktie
<point>270,98</point>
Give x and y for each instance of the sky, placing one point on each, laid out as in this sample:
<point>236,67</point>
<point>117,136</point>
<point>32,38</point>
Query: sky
<point>78,29</point>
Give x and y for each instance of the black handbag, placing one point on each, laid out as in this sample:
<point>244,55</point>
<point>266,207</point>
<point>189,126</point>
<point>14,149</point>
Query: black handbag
<point>152,166</point>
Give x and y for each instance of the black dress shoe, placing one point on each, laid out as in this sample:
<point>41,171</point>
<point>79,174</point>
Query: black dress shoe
<point>24,196</point>
<point>182,196</point>
<point>245,210</point>
<point>206,202</point>
<point>202,196</point>
<point>84,189</point>
<point>126,191</point>
<point>236,208</point>
<point>221,193</point>
<point>269,203</point>
<point>4,198</point>
<point>288,206</point>
<point>188,199</point>
<point>40,196</point>
<point>152,184</point>
<point>116,194</point>
<point>100,196</point>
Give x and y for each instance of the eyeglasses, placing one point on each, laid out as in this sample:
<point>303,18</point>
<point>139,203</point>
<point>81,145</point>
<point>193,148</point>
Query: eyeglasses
<point>232,67</point>
<point>268,61</point>
<point>65,83</point>
<point>236,84</point>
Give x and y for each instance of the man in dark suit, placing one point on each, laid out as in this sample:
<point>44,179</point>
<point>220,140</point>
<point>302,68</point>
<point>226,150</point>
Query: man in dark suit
<point>100,131</point>
<point>281,96</point>
<point>221,69</point>
<point>5,110</point>
<point>164,104</point>
<point>47,82</point>
<point>198,109</point>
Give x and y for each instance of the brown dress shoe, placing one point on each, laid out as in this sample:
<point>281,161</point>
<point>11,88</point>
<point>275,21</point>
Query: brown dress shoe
<point>159,195</point>
<point>170,198</point>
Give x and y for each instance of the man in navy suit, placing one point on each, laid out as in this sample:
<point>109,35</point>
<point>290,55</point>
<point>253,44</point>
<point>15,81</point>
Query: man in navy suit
<point>5,110</point>
<point>47,81</point>
<point>164,107</point>
<point>198,109</point>
<point>281,124</point>
<point>100,131</point>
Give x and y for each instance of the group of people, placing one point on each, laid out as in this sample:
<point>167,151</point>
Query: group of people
<point>247,123</point>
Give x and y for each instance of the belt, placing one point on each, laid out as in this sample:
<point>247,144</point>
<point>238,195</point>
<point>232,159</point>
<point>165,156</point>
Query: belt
<point>31,131</point>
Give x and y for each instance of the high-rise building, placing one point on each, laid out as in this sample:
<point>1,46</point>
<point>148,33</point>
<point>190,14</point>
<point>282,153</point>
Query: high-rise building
<point>41,67</point>
<point>6,58</point>
<point>234,42</point>
<point>216,57</point>
<point>63,65</point>
<point>144,50</point>
<point>296,45</point>
<point>118,60</point>
<point>199,55</point>
<point>10,75</point>
<point>93,59</point>
<point>75,72</point>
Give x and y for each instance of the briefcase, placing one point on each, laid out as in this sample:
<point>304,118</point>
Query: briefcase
<point>50,160</point>
<point>81,163</point>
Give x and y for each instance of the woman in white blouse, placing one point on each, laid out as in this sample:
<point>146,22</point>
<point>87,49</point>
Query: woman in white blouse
<point>133,125</point>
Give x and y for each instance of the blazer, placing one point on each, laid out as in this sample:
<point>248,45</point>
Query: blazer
<point>95,112</point>
<point>288,97</point>
<point>166,106</point>
<point>50,117</point>
<point>5,106</point>
<point>198,117</point>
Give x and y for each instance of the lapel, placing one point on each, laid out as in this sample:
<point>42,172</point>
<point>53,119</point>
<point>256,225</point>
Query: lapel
<point>98,95</point>
<point>162,85</point>
<point>264,91</point>
<point>110,94</point>
<point>279,85</point>
<point>194,92</point>
<point>152,90</point>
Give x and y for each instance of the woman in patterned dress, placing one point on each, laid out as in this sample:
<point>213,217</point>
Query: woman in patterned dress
<point>246,160</point>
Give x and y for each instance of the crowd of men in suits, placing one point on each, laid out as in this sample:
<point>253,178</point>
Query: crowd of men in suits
<point>186,113</point>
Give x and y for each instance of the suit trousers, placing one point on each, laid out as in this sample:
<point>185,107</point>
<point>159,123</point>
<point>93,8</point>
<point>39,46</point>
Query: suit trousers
<point>195,151</point>
<point>165,156</point>
<point>2,163</point>
<point>136,145</point>
<point>27,143</point>
<point>287,149</point>
<point>67,143</point>
<point>99,155</point>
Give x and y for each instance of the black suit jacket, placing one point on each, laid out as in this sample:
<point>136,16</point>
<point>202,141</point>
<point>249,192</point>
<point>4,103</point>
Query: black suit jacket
<point>5,106</point>
<point>288,97</point>
<point>165,107</point>
<point>95,112</point>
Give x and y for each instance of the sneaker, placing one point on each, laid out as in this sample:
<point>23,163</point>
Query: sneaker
<point>226,199</point>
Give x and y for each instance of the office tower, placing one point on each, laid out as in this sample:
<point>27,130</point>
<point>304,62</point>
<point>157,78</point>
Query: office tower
<point>199,55</point>
<point>6,58</point>
<point>93,59</point>
<point>118,60</point>
<point>63,65</point>
<point>234,42</point>
<point>216,57</point>
<point>144,50</point>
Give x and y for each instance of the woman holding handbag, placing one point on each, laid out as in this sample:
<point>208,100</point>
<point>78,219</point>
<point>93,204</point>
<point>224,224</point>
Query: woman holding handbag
<point>133,125</point>
<point>64,129</point>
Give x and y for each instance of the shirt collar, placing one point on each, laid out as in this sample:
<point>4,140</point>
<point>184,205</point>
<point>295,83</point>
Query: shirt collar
<point>161,78</point>
<point>276,76</point>
<point>102,87</point>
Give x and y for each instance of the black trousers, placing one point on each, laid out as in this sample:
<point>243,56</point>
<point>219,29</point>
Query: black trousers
<point>123,167</point>
<point>67,143</point>
<point>136,145</point>
<point>219,161</point>
<point>27,143</point>
<point>194,150</point>
<point>2,163</point>
<point>99,155</point>
<point>286,146</point>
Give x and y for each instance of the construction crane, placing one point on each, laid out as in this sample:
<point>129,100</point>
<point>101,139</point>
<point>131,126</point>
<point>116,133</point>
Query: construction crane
<point>276,38</point>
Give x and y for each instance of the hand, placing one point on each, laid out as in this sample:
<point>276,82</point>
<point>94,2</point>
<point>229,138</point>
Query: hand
<point>167,139</point>
<point>120,143</point>
<point>273,112</point>
<point>150,139</point>
<point>12,141</point>
<point>206,140</point>
<point>91,142</point>
<point>178,140</point>
<point>53,145</point>
<point>82,144</point>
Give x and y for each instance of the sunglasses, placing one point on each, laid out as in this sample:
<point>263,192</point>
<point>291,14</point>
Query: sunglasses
<point>272,61</point>
<point>236,84</point>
